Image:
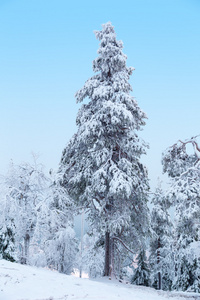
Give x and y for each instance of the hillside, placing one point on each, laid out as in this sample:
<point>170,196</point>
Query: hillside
<point>19,282</point>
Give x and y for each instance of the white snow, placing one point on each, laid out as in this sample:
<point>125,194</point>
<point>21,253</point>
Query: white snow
<point>20,282</point>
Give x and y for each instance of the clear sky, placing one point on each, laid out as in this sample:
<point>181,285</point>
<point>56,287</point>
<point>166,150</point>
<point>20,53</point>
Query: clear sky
<point>46,53</point>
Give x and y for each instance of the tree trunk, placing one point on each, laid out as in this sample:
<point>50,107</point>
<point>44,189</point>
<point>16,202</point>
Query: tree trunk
<point>26,248</point>
<point>159,280</point>
<point>107,255</point>
<point>158,261</point>
<point>112,258</point>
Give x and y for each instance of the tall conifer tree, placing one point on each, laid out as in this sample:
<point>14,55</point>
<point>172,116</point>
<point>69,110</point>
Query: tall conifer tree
<point>101,166</point>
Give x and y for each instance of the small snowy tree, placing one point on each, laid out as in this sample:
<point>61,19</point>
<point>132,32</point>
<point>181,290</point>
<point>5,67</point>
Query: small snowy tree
<point>93,254</point>
<point>141,274</point>
<point>55,229</point>
<point>184,168</point>
<point>61,251</point>
<point>161,251</point>
<point>101,166</point>
<point>24,191</point>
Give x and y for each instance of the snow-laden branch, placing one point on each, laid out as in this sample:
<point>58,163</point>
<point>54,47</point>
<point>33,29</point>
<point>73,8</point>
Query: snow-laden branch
<point>125,246</point>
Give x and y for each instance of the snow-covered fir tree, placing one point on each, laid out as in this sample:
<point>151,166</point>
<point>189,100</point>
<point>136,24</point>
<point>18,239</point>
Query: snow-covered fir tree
<point>161,250</point>
<point>7,247</point>
<point>7,226</point>
<point>101,165</point>
<point>183,165</point>
<point>141,274</point>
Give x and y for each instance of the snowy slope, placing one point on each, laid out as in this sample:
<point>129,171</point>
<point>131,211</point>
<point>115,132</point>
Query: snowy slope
<point>18,282</point>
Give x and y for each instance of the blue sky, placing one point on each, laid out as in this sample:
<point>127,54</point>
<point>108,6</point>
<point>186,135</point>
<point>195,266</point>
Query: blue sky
<point>46,54</point>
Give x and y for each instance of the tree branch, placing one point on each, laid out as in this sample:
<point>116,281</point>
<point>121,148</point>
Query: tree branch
<point>125,246</point>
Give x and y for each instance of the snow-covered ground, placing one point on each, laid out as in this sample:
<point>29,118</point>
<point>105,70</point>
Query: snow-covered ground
<point>19,282</point>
